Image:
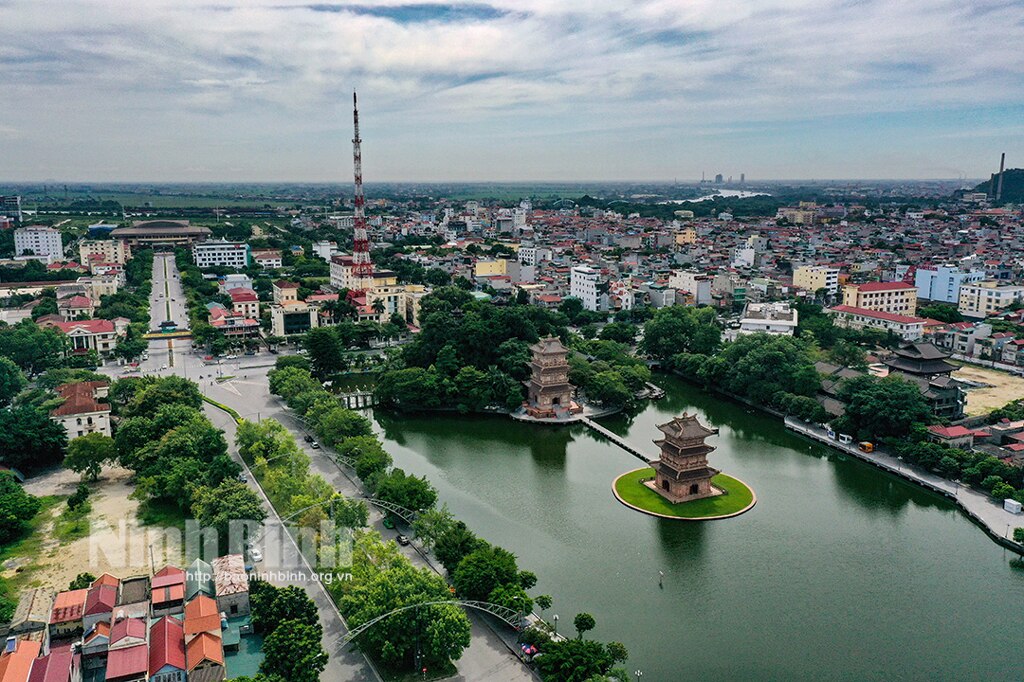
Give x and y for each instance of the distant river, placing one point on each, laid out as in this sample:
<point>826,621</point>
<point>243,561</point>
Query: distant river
<point>839,572</point>
<point>736,193</point>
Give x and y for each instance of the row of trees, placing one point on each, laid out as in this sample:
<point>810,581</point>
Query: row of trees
<point>288,620</point>
<point>606,371</point>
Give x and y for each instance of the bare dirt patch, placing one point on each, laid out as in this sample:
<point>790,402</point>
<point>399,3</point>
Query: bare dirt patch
<point>1002,388</point>
<point>117,543</point>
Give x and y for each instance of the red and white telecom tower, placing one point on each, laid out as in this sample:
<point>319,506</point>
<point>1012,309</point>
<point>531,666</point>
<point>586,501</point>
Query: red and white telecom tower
<point>362,268</point>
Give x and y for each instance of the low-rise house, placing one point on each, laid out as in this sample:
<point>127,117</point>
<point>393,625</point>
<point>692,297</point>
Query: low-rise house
<point>32,614</point>
<point>127,632</point>
<point>133,599</point>
<point>86,335</point>
<point>232,584</point>
<point>82,412</point>
<point>167,651</point>
<point>245,302</point>
<point>778,319</point>
<point>62,664</point>
<point>66,615</point>
<point>955,436</point>
<point>167,591</point>
<point>230,323</point>
<point>99,605</point>
<point>268,259</point>
<point>95,645</point>
<point>17,659</point>
<point>201,615</point>
<point>199,580</point>
<point>128,663</point>
<point>204,658</point>
<point>74,307</point>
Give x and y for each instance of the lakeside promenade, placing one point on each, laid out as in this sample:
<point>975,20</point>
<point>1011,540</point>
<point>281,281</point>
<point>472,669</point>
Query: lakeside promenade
<point>979,506</point>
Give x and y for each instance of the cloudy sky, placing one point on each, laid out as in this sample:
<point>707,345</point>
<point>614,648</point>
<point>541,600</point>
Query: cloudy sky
<point>260,90</point>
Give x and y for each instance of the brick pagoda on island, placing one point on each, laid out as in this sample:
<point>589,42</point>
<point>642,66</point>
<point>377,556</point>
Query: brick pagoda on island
<point>549,390</point>
<point>682,472</point>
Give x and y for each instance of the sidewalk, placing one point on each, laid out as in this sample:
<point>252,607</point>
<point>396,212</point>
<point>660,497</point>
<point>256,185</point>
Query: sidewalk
<point>979,506</point>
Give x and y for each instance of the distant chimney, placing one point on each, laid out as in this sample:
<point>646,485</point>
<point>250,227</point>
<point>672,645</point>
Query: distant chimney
<point>999,186</point>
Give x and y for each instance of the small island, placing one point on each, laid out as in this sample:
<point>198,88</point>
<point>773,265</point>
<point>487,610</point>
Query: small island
<point>680,484</point>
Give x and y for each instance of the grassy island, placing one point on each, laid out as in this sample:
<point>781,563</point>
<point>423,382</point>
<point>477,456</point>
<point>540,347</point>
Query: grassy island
<point>630,490</point>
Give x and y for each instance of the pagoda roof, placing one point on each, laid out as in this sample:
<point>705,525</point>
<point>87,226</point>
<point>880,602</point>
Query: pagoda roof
<point>686,427</point>
<point>549,345</point>
<point>922,350</point>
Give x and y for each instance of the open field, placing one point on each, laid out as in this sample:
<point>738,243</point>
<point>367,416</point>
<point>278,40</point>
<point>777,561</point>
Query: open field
<point>43,559</point>
<point>1002,388</point>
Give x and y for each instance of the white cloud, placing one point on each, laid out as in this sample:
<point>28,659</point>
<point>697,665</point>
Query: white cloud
<point>123,75</point>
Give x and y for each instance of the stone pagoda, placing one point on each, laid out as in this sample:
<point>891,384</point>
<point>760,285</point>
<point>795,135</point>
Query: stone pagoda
<point>549,390</point>
<point>682,471</point>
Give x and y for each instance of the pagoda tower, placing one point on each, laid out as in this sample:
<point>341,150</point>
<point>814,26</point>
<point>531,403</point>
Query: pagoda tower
<point>682,472</point>
<point>549,388</point>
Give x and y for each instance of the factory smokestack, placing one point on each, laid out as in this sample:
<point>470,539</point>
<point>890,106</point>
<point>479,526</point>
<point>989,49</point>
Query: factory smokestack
<point>999,185</point>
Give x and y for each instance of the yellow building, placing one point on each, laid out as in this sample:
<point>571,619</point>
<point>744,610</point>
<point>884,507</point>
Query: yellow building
<point>814,277</point>
<point>898,298</point>
<point>106,250</point>
<point>489,268</point>
<point>687,236</point>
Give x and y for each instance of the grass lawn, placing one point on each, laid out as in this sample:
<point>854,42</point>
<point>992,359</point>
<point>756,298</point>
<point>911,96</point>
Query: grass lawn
<point>737,497</point>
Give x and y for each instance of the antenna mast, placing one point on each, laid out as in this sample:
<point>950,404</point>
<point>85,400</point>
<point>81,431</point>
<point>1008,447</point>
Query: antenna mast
<point>362,268</point>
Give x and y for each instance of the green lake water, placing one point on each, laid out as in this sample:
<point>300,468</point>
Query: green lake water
<point>838,572</point>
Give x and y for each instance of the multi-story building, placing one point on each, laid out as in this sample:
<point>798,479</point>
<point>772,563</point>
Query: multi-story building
<point>988,297</point>
<point>583,284</point>
<point>38,240</point>
<point>268,259</point>
<point>943,283</point>
<point>104,250</point>
<point>815,277</point>
<point>292,317</point>
<point>11,206</point>
<point>696,284</point>
<point>245,302</point>
<point>161,233</point>
<point>234,281</point>
<point>82,412</point>
<point>98,335</point>
<point>221,253</point>
<point>906,327</point>
<point>898,298</point>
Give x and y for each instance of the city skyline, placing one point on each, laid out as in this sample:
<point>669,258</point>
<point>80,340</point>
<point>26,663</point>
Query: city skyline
<point>509,91</point>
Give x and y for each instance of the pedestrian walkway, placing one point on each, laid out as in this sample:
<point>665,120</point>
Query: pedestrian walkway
<point>618,440</point>
<point>979,506</point>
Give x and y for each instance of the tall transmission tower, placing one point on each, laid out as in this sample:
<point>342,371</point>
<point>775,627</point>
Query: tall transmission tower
<point>362,268</point>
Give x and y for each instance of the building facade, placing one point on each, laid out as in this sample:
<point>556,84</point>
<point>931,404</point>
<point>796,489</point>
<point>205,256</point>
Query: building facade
<point>943,283</point>
<point>584,285</point>
<point>38,240</point>
<point>906,327</point>
<point>988,297</point>
<point>682,472</point>
<point>898,298</point>
<point>815,277</point>
<point>103,250</point>
<point>221,254</point>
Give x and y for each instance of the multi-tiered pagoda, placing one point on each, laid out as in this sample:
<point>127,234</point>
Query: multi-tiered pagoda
<point>682,472</point>
<point>549,390</point>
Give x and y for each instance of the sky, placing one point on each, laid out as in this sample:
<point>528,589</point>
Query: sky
<point>509,90</point>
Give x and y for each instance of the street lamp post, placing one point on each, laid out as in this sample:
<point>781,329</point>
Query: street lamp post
<point>555,619</point>
<point>639,674</point>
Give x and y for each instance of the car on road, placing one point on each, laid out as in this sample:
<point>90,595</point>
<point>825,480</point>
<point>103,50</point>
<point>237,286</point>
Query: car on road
<point>230,357</point>
<point>163,366</point>
<point>402,540</point>
<point>308,438</point>
<point>313,444</point>
<point>255,554</point>
<point>388,523</point>
<point>243,478</point>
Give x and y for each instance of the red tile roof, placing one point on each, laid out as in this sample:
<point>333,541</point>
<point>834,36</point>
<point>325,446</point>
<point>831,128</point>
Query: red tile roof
<point>68,606</point>
<point>201,615</point>
<point>877,314</point>
<point>16,665</point>
<point>168,575</point>
<point>205,647</point>
<point>101,599</point>
<point>128,662</point>
<point>79,399</point>
<point>128,627</point>
<point>89,326</point>
<point>166,645</point>
<point>242,295</point>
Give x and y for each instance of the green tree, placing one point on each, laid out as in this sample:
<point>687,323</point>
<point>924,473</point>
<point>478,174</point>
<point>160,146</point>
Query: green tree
<point>583,622</point>
<point>940,312</point>
<point>608,388</point>
<point>543,602</point>
<point>272,607</point>
<point>678,329</point>
<point>341,423</point>
<point>164,391</point>
<point>848,354</point>
<point>31,347</point>
<point>231,500</point>
<point>454,543</point>
<point>82,581</point>
<point>12,381</point>
<point>291,381</point>
<point>17,508</point>
<point>483,570</point>
<point>325,352</point>
<point>879,408</point>
<point>623,332</point>
<point>294,652</point>
<point>29,439</point>
<point>87,454</point>
<point>574,660</point>
<point>412,492</point>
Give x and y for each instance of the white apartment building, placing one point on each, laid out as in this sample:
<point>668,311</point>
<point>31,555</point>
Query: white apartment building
<point>325,249</point>
<point>943,283</point>
<point>814,277</point>
<point>234,281</point>
<point>906,327</point>
<point>38,240</point>
<point>104,250</point>
<point>697,284</point>
<point>988,297</point>
<point>221,254</point>
<point>779,319</point>
<point>583,281</point>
